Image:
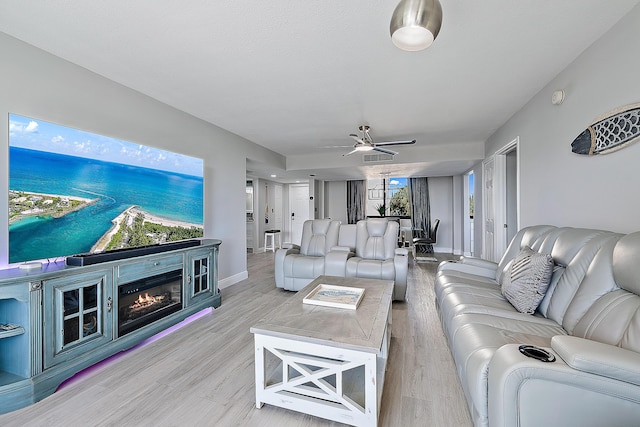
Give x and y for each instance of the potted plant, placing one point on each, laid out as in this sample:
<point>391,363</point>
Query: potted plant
<point>380,209</point>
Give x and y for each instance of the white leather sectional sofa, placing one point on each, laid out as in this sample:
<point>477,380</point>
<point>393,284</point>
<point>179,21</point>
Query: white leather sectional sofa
<point>367,249</point>
<point>588,320</point>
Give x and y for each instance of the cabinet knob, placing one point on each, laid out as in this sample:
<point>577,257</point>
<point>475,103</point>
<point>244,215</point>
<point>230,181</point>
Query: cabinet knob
<point>109,304</point>
<point>189,279</point>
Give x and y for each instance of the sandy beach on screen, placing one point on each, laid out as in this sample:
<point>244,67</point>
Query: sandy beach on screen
<point>129,214</point>
<point>134,210</point>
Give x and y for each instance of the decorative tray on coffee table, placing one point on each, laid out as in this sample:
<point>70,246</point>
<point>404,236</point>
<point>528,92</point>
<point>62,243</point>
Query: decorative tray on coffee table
<point>335,296</point>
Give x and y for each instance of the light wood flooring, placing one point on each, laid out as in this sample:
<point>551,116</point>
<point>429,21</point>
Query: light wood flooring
<point>203,373</point>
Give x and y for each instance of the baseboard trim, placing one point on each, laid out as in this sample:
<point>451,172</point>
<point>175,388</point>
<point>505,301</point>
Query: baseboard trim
<point>232,280</point>
<point>444,250</point>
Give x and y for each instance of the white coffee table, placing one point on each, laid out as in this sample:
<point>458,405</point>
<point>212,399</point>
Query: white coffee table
<point>325,361</point>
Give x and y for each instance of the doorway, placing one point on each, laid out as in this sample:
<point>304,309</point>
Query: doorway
<point>501,200</point>
<point>298,210</point>
<point>469,206</point>
<point>511,195</point>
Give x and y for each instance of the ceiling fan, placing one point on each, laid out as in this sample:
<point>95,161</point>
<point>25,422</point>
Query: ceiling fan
<point>365,143</point>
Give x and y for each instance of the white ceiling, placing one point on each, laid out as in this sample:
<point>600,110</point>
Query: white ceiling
<point>297,75</point>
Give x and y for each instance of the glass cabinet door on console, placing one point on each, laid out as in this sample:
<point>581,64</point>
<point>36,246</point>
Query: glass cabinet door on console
<point>78,315</point>
<point>199,277</point>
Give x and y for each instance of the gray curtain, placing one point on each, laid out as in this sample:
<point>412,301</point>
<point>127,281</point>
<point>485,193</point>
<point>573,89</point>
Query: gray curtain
<point>420,210</point>
<point>356,193</point>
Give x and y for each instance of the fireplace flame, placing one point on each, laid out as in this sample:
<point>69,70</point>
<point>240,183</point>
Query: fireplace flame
<point>144,301</point>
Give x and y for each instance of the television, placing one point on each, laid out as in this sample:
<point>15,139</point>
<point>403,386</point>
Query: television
<point>74,192</point>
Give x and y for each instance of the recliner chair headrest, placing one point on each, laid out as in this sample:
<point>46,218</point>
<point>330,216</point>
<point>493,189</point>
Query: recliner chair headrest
<point>320,226</point>
<point>377,226</point>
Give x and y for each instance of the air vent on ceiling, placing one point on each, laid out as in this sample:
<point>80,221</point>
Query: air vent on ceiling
<point>375,158</point>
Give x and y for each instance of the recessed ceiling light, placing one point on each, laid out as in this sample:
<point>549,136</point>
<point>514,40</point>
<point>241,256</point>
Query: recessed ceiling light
<point>273,175</point>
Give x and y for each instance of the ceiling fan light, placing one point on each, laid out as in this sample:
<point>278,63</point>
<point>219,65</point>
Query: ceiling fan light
<point>364,148</point>
<point>415,24</point>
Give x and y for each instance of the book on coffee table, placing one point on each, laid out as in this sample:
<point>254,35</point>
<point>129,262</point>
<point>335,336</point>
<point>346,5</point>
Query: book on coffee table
<point>335,296</point>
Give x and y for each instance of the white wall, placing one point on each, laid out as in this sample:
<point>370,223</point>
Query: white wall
<point>458,214</point>
<point>566,189</point>
<point>335,200</point>
<point>36,84</point>
<point>441,204</point>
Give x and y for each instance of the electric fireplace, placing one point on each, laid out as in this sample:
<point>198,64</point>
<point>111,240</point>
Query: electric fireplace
<point>146,300</point>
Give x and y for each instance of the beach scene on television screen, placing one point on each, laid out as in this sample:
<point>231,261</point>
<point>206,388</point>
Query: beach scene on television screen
<point>74,192</point>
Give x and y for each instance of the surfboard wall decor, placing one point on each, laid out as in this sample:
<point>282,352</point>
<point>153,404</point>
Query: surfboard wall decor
<point>610,132</point>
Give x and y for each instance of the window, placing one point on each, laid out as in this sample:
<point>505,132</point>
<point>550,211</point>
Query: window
<point>388,196</point>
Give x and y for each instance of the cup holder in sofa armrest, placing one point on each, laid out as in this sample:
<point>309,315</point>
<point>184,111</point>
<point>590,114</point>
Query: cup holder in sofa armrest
<point>537,353</point>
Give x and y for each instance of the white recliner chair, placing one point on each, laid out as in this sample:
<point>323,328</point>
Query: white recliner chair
<point>377,255</point>
<point>296,266</point>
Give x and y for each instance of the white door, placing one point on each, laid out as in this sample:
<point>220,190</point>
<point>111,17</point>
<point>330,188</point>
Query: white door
<point>499,208</point>
<point>298,211</point>
<point>488,210</point>
<point>511,203</point>
<point>501,200</point>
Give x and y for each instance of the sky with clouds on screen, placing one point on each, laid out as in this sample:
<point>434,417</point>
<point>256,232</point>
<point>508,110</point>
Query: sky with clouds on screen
<point>39,135</point>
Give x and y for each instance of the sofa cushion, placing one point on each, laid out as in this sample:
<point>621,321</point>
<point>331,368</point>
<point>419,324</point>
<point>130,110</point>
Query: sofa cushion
<point>370,269</point>
<point>528,280</point>
<point>461,299</point>
<point>307,267</point>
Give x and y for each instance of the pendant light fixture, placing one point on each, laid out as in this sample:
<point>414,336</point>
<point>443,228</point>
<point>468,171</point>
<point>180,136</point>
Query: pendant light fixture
<point>415,24</point>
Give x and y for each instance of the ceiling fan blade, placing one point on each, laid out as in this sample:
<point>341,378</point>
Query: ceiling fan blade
<point>396,142</point>
<point>349,153</point>
<point>385,151</point>
<point>356,138</point>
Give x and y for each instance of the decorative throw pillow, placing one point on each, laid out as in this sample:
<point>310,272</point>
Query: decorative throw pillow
<point>528,280</point>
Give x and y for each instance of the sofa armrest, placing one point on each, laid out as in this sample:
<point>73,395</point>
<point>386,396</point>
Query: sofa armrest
<point>598,358</point>
<point>526,391</point>
<point>402,252</point>
<point>281,254</point>
<point>479,262</point>
<point>479,267</point>
<point>289,245</point>
<point>335,262</point>
<point>342,249</point>
<point>401,266</point>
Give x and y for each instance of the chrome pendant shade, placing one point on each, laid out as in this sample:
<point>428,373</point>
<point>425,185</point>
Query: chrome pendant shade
<point>415,24</point>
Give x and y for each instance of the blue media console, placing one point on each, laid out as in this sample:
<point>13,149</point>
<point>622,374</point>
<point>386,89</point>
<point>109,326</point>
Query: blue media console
<point>61,319</point>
